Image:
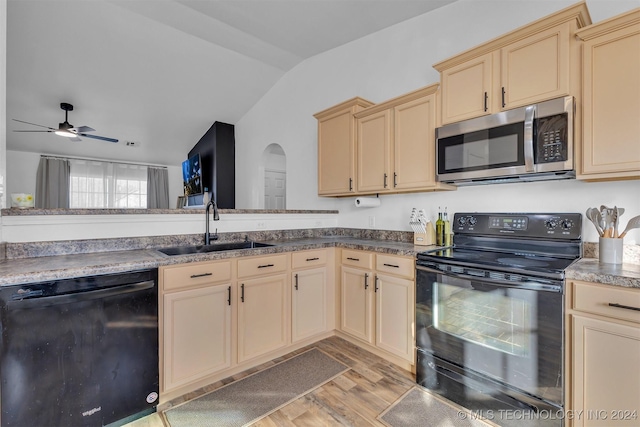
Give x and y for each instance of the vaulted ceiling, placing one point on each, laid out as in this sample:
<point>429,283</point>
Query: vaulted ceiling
<point>160,72</point>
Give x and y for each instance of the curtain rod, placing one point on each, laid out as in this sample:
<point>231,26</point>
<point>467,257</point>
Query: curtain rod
<point>48,156</point>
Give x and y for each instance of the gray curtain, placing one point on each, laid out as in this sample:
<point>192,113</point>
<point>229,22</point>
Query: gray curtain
<point>157,188</point>
<point>52,183</point>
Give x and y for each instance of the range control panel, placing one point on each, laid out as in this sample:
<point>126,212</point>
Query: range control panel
<point>542,225</point>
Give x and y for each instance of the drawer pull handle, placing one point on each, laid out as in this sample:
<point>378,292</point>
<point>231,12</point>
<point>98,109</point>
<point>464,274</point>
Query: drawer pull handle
<point>391,265</point>
<point>313,259</point>
<point>353,259</point>
<point>242,292</point>
<point>626,307</point>
<point>194,276</point>
<point>265,266</point>
<point>229,299</point>
<point>296,276</point>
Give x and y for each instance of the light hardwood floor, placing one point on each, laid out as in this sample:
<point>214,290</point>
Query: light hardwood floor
<point>354,398</point>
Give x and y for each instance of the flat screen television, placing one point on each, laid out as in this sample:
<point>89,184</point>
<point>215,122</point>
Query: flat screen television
<point>192,175</point>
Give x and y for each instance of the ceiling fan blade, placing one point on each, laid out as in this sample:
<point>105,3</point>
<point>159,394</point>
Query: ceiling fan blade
<point>74,139</point>
<point>103,138</point>
<point>82,129</point>
<point>34,124</point>
<point>33,130</point>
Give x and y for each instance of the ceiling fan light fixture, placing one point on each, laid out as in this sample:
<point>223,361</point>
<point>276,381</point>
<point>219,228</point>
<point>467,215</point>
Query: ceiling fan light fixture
<point>65,133</point>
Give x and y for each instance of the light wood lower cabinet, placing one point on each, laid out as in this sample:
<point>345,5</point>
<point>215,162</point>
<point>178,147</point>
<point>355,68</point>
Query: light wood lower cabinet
<point>263,316</point>
<point>196,322</point>
<point>308,303</point>
<point>604,355</point>
<point>377,305</point>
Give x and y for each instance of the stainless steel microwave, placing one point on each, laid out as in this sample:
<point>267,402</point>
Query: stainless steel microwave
<point>529,143</point>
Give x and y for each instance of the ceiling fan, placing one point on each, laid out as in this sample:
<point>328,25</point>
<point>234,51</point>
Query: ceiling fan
<point>66,129</point>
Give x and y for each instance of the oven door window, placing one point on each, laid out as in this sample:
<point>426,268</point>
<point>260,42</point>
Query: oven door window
<point>510,334</point>
<point>490,318</point>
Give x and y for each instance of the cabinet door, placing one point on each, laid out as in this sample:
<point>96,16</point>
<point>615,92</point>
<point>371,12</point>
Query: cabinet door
<point>394,315</point>
<point>374,151</point>
<point>467,90</point>
<point>336,153</point>
<point>414,144</point>
<point>536,68</point>
<point>197,334</point>
<point>263,320</point>
<point>606,373</point>
<point>356,301</point>
<point>309,303</point>
<point>611,129</point>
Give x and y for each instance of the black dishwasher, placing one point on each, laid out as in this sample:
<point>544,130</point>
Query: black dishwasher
<point>79,352</point>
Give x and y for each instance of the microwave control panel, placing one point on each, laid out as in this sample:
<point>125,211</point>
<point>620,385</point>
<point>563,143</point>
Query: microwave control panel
<point>551,139</point>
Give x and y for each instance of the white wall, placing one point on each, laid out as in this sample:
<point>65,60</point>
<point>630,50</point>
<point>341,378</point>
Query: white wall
<point>22,167</point>
<point>389,63</point>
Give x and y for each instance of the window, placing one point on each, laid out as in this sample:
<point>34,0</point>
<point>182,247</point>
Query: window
<point>96,184</point>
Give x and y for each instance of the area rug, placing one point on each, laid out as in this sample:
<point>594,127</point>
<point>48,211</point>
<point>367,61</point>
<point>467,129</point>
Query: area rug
<point>258,395</point>
<point>418,407</point>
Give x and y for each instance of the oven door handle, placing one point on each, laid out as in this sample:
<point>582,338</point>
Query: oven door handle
<point>532,286</point>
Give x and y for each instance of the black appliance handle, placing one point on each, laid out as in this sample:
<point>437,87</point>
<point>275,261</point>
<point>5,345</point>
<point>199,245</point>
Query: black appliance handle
<point>529,286</point>
<point>44,301</point>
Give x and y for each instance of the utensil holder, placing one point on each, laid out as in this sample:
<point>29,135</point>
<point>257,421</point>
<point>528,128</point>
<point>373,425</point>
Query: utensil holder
<point>610,250</point>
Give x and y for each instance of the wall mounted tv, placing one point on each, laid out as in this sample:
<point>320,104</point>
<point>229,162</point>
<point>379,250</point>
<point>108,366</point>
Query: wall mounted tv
<point>192,175</point>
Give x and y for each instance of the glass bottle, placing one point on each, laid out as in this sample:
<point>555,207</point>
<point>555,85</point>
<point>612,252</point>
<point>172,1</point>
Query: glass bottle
<point>446,229</point>
<point>439,229</point>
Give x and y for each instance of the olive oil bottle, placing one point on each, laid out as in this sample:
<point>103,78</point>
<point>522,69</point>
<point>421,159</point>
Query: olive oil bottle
<point>446,229</point>
<point>439,229</point>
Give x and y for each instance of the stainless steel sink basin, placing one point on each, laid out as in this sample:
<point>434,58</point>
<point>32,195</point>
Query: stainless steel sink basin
<point>216,247</point>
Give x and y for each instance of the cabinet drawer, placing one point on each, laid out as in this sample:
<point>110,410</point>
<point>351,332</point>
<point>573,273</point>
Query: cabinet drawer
<point>248,267</point>
<point>596,299</point>
<point>357,258</point>
<point>395,265</point>
<point>184,276</point>
<point>308,258</point>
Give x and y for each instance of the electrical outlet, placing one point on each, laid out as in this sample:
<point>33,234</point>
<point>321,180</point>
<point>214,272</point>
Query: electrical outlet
<point>372,221</point>
<point>318,223</point>
<point>261,225</point>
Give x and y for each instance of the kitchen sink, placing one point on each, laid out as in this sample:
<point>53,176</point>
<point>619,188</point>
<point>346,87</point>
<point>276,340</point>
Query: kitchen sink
<point>217,247</point>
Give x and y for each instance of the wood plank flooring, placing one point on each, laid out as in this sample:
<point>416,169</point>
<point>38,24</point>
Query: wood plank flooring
<point>354,398</point>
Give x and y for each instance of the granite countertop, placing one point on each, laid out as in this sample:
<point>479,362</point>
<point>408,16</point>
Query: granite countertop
<point>30,270</point>
<point>36,269</point>
<point>590,270</point>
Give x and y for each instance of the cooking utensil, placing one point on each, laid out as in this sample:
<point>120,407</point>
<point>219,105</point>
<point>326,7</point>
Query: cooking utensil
<point>614,219</point>
<point>594,216</point>
<point>633,223</point>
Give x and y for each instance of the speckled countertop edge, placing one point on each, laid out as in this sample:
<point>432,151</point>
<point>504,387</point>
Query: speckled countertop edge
<point>30,270</point>
<point>195,210</point>
<point>36,269</point>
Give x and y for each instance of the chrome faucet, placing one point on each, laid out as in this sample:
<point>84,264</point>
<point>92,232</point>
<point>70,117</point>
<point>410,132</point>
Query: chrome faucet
<point>207,236</point>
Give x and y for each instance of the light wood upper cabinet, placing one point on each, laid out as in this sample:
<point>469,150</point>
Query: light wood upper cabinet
<point>604,350</point>
<point>466,88</point>
<point>611,99</point>
<point>396,144</point>
<point>537,62</point>
<point>374,151</point>
<point>336,148</point>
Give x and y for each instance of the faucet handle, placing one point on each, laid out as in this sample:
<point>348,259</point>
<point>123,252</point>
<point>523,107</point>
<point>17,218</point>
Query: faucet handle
<point>215,235</point>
